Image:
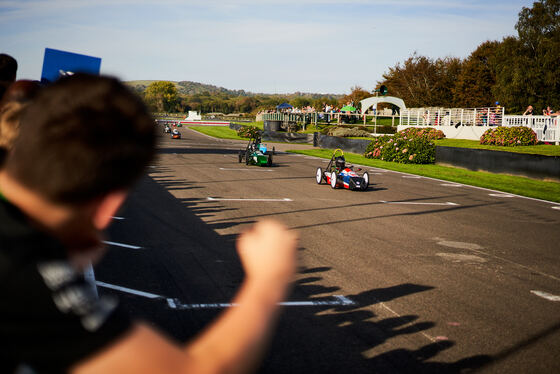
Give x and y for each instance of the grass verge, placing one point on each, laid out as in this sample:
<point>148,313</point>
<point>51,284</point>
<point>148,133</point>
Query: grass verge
<point>222,132</point>
<point>549,191</point>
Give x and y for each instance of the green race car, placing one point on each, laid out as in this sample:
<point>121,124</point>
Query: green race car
<point>256,153</point>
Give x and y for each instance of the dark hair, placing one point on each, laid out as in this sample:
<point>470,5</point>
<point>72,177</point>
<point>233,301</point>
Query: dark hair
<point>8,68</point>
<point>81,138</point>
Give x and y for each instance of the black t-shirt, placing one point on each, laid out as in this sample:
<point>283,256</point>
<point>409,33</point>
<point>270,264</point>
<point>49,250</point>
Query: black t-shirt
<point>50,317</point>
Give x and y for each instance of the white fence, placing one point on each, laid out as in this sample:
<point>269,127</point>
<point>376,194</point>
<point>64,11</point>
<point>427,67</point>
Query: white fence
<point>452,116</point>
<point>546,127</point>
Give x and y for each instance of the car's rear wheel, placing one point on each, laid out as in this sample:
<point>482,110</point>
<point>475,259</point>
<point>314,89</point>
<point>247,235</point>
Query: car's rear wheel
<point>365,177</point>
<point>319,175</point>
<point>240,156</point>
<point>247,156</point>
<point>269,161</point>
<point>334,179</point>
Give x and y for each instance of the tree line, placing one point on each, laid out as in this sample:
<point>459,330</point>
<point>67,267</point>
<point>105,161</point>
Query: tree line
<point>517,71</point>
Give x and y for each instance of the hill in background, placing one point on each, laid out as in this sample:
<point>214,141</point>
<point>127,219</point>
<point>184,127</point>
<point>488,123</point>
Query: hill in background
<point>194,88</point>
<point>188,88</point>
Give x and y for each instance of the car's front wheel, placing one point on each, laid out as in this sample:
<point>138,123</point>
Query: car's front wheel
<point>365,177</point>
<point>334,179</point>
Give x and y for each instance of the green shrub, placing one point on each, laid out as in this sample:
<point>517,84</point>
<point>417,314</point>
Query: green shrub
<point>248,131</point>
<point>348,131</point>
<point>509,136</point>
<point>410,146</point>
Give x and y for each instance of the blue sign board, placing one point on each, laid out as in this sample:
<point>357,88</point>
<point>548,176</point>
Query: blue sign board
<point>59,63</point>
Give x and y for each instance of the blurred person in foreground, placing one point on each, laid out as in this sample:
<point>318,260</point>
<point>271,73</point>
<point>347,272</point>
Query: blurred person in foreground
<point>87,139</point>
<point>8,71</point>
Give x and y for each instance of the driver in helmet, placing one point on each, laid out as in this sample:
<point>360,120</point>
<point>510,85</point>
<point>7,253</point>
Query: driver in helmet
<point>340,163</point>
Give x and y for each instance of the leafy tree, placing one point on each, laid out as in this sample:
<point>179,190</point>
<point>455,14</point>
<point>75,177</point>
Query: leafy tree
<point>477,78</point>
<point>356,95</point>
<point>528,67</point>
<point>161,96</point>
<point>421,81</point>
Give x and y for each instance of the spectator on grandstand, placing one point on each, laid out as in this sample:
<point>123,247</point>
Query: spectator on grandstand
<point>528,111</point>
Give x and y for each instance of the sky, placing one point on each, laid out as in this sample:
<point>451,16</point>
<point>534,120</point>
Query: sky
<point>261,46</point>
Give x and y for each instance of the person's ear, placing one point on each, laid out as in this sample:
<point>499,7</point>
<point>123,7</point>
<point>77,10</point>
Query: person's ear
<point>107,207</point>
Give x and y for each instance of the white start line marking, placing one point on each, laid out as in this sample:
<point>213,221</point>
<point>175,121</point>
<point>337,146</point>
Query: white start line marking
<point>240,169</point>
<point>220,199</point>
<point>449,203</point>
<point>176,304</point>
<point>338,300</point>
<point>546,295</point>
<point>122,245</point>
<point>500,195</point>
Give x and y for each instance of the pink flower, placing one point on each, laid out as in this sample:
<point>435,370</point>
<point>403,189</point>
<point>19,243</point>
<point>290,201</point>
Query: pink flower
<point>410,157</point>
<point>405,150</point>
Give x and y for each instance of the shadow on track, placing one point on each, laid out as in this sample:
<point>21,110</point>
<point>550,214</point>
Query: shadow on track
<point>184,258</point>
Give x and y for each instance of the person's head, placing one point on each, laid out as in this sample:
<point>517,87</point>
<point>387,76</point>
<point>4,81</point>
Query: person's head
<point>8,68</point>
<point>340,162</point>
<point>82,138</point>
<point>10,115</point>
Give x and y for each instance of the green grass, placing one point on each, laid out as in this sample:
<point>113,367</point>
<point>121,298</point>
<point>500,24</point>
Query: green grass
<point>222,132</point>
<point>517,185</point>
<point>541,149</point>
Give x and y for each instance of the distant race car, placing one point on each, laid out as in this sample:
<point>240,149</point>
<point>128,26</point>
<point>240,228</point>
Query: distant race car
<point>175,134</point>
<point>256,153</point>
<point>340,175</point>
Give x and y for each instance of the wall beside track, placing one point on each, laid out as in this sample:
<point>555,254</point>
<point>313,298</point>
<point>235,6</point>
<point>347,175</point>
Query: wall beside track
<point>532,166</point>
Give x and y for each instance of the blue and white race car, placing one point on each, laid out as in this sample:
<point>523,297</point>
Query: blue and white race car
<point>340,175</point>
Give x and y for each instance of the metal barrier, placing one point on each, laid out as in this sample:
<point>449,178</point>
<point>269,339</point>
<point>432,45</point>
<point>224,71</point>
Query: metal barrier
<point>489,116</point>
<point>546,127</point>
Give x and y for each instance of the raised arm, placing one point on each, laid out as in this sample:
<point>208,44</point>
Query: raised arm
<point>235,342</point>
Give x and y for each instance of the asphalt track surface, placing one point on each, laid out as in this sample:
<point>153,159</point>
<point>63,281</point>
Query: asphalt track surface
<point>412,275</point>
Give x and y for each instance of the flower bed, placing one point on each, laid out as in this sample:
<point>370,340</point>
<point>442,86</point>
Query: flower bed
<point>509,136</point>
<point>409,146</point>
<point>248,131</point>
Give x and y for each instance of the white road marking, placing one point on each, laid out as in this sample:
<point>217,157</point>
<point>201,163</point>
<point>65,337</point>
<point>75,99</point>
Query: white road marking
<point>129,290</point>
<point>556,207</point>
<point>451,185</point>
<point>115,217</point>
<point>500,195</point>
<point>220,199</point>
<point>412,177</point>
<point>246,169</point>
<point>176,304</point>
<point>338,300</point>
<point>546,295</point>
<point>415,203</point>
<point>122,245</point>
